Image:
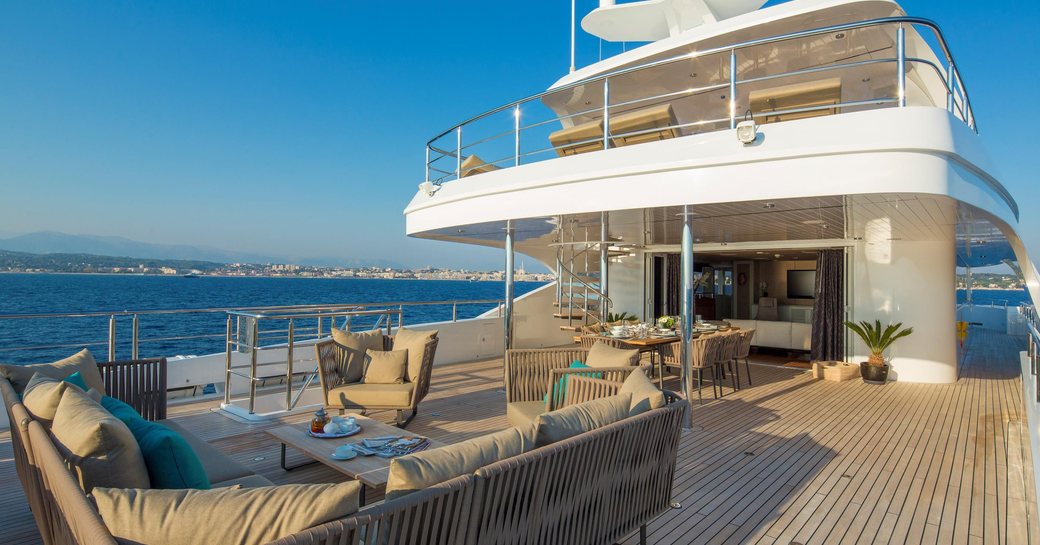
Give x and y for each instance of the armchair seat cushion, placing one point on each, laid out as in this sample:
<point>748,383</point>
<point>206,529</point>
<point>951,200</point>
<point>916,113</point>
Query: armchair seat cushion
<point>371,395</point>
<point>219,468</point>
<point>521,413</point>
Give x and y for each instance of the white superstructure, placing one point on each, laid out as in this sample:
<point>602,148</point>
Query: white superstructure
<point>858,136</point>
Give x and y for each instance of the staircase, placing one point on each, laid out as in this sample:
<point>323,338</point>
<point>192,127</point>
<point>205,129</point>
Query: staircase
<point>580,295</point>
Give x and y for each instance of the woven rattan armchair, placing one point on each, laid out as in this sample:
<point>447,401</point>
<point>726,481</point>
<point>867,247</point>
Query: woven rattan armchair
<point>531,373</point>
<point>342,395</point>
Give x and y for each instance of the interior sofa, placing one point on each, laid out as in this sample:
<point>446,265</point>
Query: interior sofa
<point>616,469</point>
<point>777,334</point>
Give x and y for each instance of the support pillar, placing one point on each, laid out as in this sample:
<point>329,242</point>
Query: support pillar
<point>604,263</point>
<point>688,312</point>
<point>507,314</point>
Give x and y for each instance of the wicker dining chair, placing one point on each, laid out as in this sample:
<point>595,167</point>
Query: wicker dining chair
<point>588,340</point>
<point>744,351</point>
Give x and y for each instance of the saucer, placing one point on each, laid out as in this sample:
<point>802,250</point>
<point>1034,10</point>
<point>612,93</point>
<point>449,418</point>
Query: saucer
<point>344,454</point>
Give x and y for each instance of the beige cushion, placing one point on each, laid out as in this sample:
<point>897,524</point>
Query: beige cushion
<point>519,413</point>
<point>415,343</point>
<point>575,419</point>
<point>95,395</point>
<point>603,355</point>
<point>82,361</point>
<point>42,395</point>
<point>424,469</point>
<point>372,395</point>
<point>219,467</point>
<point>357,345</point>
<point>227,516</point>
<point>645,395</point>
<point>386,367</point>
<point>98,446</point>
<point>249,481</point>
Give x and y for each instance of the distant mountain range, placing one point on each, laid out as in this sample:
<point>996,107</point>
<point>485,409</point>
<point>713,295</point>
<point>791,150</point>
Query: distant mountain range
<point>49,242</point>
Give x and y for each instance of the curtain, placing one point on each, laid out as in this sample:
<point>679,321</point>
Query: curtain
<point>673,279</point>
<point>828,327</point>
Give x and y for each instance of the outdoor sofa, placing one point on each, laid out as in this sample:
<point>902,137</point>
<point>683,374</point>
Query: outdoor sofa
<point>588,473</point>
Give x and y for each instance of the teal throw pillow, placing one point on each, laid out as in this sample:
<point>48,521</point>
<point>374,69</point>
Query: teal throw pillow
<point>76,379</point>
<point>559,390</point>
<point>170,460</point>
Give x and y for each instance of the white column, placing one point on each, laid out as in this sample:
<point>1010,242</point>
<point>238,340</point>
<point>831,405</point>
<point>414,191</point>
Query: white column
<point>688,311</point>
<point>507,314</point>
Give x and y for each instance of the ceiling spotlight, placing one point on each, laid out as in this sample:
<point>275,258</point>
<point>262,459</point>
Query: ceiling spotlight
<point>839,35</point>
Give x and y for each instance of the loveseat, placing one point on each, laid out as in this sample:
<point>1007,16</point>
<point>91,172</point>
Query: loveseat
<point>616,477</point>
<point>778,334</point>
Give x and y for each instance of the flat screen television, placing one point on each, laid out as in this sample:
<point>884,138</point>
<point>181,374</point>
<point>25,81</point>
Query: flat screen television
<point>801,284</point>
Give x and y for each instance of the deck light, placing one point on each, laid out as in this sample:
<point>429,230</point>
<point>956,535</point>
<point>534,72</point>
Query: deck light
<point>747,131</point>
<point>429,188</point>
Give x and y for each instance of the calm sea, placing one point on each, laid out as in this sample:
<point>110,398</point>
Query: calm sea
<point>68,293</point>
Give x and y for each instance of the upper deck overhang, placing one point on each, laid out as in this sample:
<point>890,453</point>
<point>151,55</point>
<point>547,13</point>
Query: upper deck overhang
<point>919,150</point>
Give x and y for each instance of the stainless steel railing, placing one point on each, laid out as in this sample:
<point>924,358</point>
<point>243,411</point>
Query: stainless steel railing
<point>205,324</point>
<point>957,101</point>
<point>1033,346</point>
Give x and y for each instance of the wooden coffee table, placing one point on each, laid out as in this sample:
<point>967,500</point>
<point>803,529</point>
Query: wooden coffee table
<point>372,471</point>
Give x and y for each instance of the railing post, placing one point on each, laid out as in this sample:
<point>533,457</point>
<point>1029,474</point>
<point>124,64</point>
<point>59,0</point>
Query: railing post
<point>454,312</point>
<point>427,162</point>
<point>732,88</point>
<point>458,153</point>
<point>604,265</point>
<point>289,365</point>
<point>253,353</point>
<point>606,113</point>
<point>950,83</point>
<point>227,364</point>
<point>901,63</point>
<point>507,319</point>
<point>112,338</point>
<point>134,342</point>
<point>516,135</point>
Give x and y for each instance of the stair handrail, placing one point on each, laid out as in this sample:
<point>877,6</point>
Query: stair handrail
<point>598,292</point>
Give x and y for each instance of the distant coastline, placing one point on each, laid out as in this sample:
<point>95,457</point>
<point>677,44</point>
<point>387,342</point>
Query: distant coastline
<point>159,275</point>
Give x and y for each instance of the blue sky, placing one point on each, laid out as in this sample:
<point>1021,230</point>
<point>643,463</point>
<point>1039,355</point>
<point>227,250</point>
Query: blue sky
<point>297,128</point>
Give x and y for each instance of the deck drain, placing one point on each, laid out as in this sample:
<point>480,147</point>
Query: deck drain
<point>435,414</point>
<point>846,476</point>
<point>259,459</point>
<point>749,453</point>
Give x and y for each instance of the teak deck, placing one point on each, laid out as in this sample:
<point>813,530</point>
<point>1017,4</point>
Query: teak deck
<point>787,460</point>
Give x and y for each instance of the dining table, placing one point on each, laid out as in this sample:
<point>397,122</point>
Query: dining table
<point>654,343</point>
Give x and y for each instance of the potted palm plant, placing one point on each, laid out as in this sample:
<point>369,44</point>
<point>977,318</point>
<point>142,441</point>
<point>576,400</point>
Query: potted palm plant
<point>877,339</point>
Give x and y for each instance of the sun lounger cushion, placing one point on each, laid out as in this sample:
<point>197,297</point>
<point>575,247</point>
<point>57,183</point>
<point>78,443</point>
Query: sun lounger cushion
<point>385,367</point>
<point>519,413</point>
<point>424,469</point>
<point>222,515</point>
<point>603,355</point>
<point>82,361</point>
<point>575,419</point>
<point>372,395</point>
<point>42,395</point>
<point>356,345</point>
<point>414,341</point>
<point>100,449</point>
<point>170,460</point>
<point>645,395</point>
